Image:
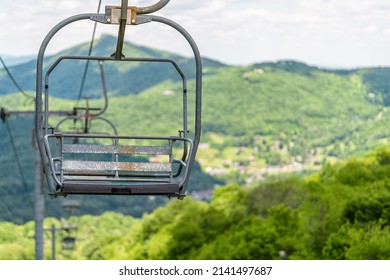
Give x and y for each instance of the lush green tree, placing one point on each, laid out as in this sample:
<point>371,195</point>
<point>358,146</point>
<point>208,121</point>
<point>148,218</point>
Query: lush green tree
<point>326,215</point>
<point>250,239</point>
<point>359,243</point>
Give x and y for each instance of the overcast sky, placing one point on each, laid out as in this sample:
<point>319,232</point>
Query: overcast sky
<point>332,33</point>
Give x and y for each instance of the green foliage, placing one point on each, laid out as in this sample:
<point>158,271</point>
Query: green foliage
<point>250,239</point>
<point>377,82</point>
<point>382,155</point>
<point>321,216</point>
<point>16,242</point>
<point>352,242</point>
<point>289,192</point>
<point>367,209</point>
<point>232,202</point>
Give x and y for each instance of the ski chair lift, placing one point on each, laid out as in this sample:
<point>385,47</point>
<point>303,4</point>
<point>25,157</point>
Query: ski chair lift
<point>82,124</point>
<point>116,172</point>
<point>85,119</point>
<point>68,242</point>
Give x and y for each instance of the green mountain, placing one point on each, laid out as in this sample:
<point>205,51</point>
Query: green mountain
<point>258,120</point>
<point>11,60</point>
<point>70,73</point>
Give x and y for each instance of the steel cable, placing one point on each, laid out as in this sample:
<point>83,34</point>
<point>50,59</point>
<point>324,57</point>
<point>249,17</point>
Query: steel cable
<point>24,182</point>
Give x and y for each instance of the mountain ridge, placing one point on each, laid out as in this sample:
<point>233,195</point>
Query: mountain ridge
<point>104,46</point>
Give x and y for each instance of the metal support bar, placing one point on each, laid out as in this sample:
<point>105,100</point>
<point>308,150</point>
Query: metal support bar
<point>4,114</point>
<point>121,32</point>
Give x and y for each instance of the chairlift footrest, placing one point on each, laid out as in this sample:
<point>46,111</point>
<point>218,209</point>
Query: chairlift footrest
<point>169,189</point>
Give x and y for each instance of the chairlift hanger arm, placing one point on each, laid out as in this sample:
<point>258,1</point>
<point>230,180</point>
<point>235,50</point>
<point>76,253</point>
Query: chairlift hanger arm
<point>121,31</point>
<point>123,20</point>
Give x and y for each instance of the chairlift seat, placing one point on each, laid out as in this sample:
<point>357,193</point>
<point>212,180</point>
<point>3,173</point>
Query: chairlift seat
<point>122,168</point>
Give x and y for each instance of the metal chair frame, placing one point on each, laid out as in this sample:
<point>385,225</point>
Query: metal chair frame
<point>65,176</point>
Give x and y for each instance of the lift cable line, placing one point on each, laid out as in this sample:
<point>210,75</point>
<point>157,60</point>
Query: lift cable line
<point>5,209</point>
<point>89,53</point>
<point>13,80</point>
<point>72,167</point>
<point>5,114</point>
<point>17,159</point>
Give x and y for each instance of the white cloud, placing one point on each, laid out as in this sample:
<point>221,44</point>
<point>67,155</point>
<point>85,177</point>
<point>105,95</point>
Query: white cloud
<point>234,31</point>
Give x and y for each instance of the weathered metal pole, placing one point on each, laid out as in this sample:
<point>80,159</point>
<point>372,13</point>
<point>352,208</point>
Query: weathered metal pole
<point>53,242</point>
<point>39,207</point>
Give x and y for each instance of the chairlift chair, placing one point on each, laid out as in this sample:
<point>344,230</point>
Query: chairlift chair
<point>125,164</point>
<point>68,242</point>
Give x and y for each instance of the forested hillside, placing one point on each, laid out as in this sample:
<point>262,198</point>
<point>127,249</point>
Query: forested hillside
<point>339,212</point>
<point>259,121</point>
<point>123,79</point>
